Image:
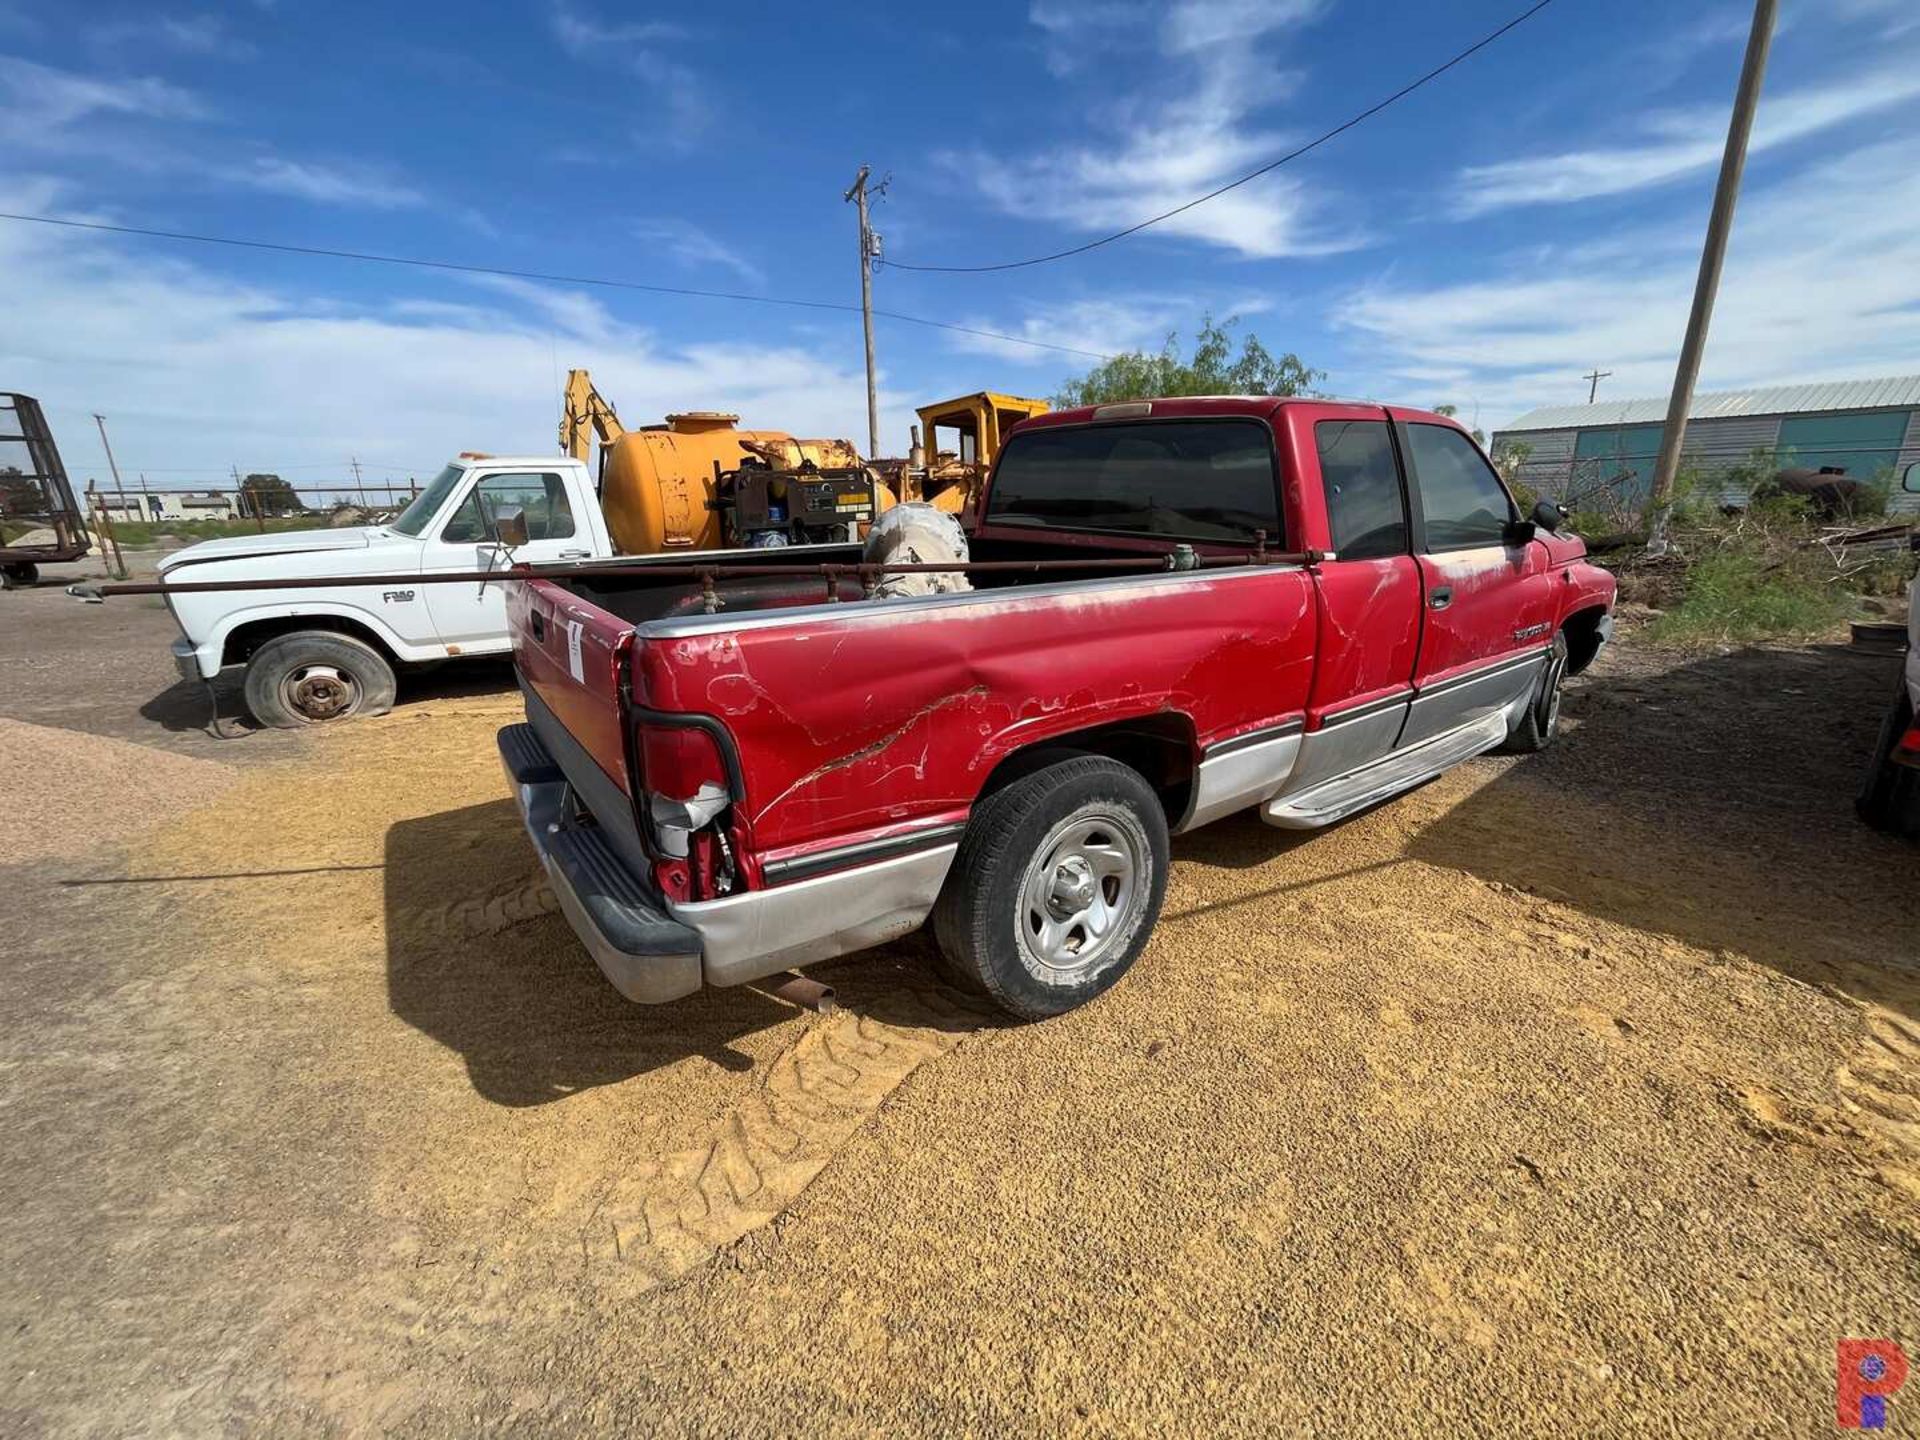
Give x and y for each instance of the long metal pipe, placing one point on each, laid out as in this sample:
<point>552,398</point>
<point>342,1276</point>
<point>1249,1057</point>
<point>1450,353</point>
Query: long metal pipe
<point>853,569</point>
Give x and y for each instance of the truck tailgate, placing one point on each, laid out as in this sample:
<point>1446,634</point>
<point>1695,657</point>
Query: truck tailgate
<point>569,654</point>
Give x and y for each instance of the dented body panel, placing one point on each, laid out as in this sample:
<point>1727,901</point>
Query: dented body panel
<point>853,739</point>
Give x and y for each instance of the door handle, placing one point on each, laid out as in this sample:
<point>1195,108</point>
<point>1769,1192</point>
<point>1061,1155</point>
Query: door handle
<point>575,554</point>
<point>1440,597</point>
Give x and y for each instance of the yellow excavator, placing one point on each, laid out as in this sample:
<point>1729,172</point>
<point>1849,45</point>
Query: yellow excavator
<point>698,482</point>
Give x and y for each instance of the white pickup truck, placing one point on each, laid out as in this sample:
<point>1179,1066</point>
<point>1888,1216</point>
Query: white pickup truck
<point>314,655</point>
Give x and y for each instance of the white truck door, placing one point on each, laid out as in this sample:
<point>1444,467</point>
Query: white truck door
<point>471,619</point>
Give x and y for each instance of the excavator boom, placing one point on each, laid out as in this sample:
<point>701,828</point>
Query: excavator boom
<point>586,415</point>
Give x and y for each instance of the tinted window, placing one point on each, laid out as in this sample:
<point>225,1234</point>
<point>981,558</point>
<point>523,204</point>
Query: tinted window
<point>1460,495</point>
<point>1364,502</point>
<point>543,498</point>
<point>1183,479</point>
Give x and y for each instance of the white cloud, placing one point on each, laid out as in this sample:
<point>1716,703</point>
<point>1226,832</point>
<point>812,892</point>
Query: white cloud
<point>1172,142</point>
<point>645,48</point>
<point>38,101</point>
<point>1681,142</point>
<point>689,245</point>
<point>1104,326</point>
<point>205,34</point>
<point>196,370</point>
<point>1803,298</point>
<point>322,184</point>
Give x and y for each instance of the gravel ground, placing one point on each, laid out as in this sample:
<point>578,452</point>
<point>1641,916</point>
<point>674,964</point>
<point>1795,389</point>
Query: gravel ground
<point>1579,1093</point>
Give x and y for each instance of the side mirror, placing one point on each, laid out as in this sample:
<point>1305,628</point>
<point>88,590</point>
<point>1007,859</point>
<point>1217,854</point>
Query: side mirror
<point>1518,532</point>
<point>1910,478</point>
<point>1549,515</point>
<point>510,527</point>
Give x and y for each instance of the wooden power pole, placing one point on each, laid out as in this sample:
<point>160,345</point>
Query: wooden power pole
<point>1712,256</point>
<point>1594,377</point>
<point>869,252</point>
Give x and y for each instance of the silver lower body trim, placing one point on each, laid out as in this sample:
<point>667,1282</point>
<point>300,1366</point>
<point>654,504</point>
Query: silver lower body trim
<point>1239,779</point>
<point>762,932</point>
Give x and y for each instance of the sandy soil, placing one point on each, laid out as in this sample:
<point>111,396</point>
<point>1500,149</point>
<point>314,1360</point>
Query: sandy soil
<point>1576,1094</point>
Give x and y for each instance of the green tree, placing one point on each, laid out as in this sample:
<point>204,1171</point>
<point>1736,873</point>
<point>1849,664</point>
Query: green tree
<point>1213,370</point>
<point>268,494</point>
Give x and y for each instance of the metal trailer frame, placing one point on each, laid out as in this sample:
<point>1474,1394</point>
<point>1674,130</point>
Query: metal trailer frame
<point>51,504</point>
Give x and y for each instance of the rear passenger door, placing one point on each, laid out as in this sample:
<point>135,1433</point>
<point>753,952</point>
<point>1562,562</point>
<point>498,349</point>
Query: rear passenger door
<point>1370,595</point>
<point>1487,615</point>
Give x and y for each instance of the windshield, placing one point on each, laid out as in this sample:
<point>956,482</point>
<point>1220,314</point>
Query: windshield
<point>413,519</point>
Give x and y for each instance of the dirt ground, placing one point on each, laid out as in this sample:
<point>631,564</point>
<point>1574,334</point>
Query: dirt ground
<point>1575,1094</point>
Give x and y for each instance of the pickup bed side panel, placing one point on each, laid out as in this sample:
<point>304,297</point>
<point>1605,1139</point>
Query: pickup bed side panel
<point>886,715</point>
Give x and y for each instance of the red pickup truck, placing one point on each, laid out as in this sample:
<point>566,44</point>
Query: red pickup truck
<point>730,778</point>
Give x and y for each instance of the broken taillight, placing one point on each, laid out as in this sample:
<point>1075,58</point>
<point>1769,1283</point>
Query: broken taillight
<point>686,791</point>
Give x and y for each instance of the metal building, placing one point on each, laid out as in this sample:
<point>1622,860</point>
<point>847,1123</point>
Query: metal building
<point>1870,429</point>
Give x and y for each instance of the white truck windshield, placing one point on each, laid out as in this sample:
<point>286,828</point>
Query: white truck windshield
<point>425,505</point>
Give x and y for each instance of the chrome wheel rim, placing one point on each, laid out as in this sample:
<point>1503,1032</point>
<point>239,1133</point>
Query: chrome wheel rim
<point>1550,700</point>
<point>320,692</point>
<point>1080,894</point>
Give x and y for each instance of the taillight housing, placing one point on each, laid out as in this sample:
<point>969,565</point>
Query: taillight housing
<point>686,791</point>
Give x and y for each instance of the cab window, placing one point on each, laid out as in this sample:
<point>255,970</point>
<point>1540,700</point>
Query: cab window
<point>543,499</point>
<point>1461,499</point>
<point>1367,510</point>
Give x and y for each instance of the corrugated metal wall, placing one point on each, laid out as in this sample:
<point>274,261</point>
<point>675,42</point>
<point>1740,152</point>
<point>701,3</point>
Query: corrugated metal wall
<point>1714,447</point>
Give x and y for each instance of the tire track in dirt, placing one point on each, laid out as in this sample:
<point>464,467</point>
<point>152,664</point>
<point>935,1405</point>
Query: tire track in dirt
<point>672,1215</point>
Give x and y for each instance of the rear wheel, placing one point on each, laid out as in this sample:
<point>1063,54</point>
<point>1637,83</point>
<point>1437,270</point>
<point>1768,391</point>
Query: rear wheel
<point>314,676</point>
<point>1890,800</point>
<point>1540,721</point>
<point>1056,887</point>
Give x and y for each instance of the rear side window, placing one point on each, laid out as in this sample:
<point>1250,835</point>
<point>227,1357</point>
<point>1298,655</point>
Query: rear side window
<point>1461,498</point>
<point>1364,503</point>
<point>1178,479</point>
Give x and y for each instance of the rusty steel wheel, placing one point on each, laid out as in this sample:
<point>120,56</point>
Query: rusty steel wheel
<point>314,677</point>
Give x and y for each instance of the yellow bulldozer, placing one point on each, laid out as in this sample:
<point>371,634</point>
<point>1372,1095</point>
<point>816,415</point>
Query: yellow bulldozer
<point>698,482</point>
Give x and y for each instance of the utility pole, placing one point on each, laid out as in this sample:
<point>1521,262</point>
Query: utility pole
<point>869,254</point>
<point>1596,375</point>
<point>355,462</point>
<point>112,464</point>
<point>1712,256</point>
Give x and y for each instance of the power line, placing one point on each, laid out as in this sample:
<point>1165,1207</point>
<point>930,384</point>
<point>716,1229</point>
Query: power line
<point>1270,166</point>
<point>541,276</point>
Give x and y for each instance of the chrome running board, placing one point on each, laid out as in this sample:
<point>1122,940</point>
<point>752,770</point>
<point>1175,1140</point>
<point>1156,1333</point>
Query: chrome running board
<point>1339,797</point>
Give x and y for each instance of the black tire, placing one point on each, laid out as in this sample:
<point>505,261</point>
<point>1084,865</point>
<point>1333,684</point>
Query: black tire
<point>19,576</point>
<point>313,677</point>
<point>1537,725</point>
<point>1103,828</point>
<point>1890,799</point>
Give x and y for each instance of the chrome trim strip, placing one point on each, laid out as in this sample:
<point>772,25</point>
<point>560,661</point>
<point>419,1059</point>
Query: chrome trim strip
<point>680,627</point>
<point>1253,737</point>
<point>1371,707</point>
<point>1485,672</point>
<point>801,867</point>
<point>1243,777</point>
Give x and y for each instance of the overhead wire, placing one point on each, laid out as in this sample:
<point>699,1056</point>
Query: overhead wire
<point>1268,168</point>
<point>542,277</point>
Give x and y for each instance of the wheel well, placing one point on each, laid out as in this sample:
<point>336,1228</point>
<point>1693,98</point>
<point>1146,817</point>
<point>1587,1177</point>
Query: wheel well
<point>1160,747</point>
<point>1582,629</point>
<point>244,640</point>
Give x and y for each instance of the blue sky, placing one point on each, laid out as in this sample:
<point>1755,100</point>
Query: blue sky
<point>1530,215</point>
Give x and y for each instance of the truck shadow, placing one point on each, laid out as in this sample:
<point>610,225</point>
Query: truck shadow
<point>479,960</point>
<point>1713,803</point>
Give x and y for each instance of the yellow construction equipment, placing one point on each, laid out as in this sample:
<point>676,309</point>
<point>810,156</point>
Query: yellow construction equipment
<point>665,487</point>
<point>962,437</point>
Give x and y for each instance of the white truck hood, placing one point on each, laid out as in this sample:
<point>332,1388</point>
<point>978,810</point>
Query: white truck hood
<point>278,546</point>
